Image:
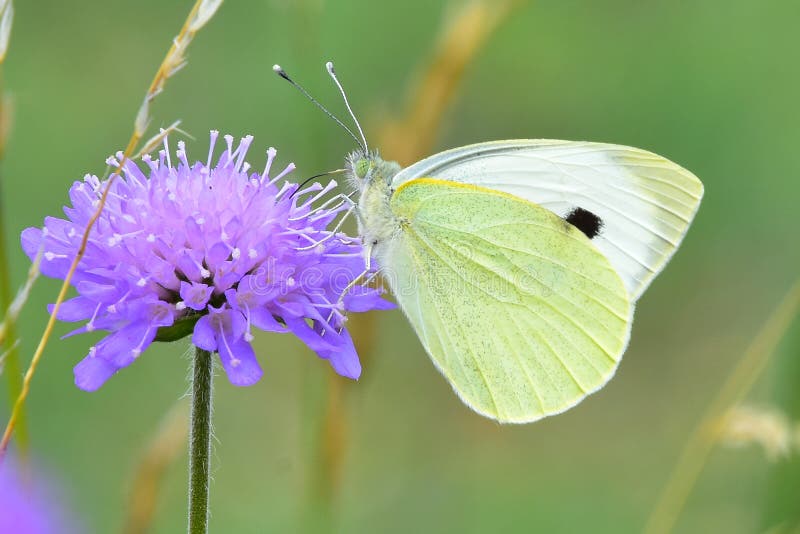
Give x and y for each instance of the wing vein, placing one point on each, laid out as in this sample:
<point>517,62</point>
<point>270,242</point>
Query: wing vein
<point>439,313</point>
<point>544,301</point>
<point>535,255</point>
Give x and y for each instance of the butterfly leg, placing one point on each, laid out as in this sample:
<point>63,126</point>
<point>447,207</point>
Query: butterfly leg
<point>362,279</point>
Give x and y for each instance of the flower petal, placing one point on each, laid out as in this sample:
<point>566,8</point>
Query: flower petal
<point>308,336</point>
<point>264,320</point>
<point>240,363</point>
<point>204,335</point>
<point>74,309</point>
<point>344,359</point>
<point>125,345</point>
<point>31,240</point>
<point>363,299</point>
<point>92,372</point>
<point>195,295</point>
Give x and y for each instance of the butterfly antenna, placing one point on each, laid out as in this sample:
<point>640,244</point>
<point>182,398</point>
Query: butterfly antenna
<point>329,66</point>
<point>282,73</point>
<point>320,175</point>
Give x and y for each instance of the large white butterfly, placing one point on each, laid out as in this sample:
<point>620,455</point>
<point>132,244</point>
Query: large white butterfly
<point>518,263</point>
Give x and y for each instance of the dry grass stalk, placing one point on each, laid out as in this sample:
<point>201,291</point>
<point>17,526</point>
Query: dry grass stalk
<point>11,356</point>
<point>166,445</point>
<point>412,137</point>
<point>701,442</point>
<point>6,119</point>
<point>6,19</point>
<point>767,427</point>
<point>155,141</point>
<point>174,60</point>
<point>5,354</point>
<point>14,309</point>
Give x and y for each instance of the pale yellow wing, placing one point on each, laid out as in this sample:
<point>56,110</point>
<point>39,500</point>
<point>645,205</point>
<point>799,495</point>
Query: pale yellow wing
<point>644,201</point>
<point>522,315</point>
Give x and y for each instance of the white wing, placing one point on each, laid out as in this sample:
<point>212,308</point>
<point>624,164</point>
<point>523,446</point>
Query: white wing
<point>645,202</point>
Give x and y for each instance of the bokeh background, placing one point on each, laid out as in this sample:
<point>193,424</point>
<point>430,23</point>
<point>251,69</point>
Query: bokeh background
<point>712,85</point>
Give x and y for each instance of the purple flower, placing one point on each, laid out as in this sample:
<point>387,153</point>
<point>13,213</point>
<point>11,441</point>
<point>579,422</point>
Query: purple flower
<point>212,251</point>
<point>29,503</point>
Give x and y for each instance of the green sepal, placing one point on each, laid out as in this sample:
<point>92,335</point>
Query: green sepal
<point>179,329</point>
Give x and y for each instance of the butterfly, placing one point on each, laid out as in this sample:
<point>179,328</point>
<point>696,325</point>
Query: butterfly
<point>519,263</point>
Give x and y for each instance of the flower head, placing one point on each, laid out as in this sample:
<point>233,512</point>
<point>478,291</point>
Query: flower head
<point>215,251</point>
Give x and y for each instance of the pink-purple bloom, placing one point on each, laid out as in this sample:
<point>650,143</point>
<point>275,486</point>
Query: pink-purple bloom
<point>30,503</point>
<point>215,251</point>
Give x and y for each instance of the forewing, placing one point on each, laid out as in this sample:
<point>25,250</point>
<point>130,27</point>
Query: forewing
<point>645,202</point>
<point>522,315</point>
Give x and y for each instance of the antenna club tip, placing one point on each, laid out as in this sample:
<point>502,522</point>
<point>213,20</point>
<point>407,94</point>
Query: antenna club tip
<point>329,66</point>
<point>277,69</point>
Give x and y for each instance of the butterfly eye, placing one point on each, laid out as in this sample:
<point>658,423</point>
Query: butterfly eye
<point>362,167</point>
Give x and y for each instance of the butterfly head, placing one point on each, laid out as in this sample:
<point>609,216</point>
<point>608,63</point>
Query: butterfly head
<point>361,166</point>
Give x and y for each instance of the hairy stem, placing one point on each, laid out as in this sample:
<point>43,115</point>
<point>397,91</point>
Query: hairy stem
<point>200,442</point>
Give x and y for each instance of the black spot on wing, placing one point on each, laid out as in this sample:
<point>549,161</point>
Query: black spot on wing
<point>585,221</point>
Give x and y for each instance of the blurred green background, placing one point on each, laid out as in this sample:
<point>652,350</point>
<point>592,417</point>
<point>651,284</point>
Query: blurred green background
<point>712,85</point>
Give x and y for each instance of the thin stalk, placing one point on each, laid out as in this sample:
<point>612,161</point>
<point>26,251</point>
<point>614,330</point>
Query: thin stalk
<point>200,442</point>
<point>13,369</point>
<point>780,500</point>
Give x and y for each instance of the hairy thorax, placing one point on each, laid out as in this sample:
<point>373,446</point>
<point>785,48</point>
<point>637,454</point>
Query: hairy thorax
<point>377,224</point>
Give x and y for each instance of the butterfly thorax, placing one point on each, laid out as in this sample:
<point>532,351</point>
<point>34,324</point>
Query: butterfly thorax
<point>372,177</point>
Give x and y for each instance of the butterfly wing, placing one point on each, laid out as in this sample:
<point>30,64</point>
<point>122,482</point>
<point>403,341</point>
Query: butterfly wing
<point>522,315</point>
<point>645,203</point>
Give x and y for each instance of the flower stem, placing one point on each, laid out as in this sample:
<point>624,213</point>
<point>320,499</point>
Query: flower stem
<point>200,442</point>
